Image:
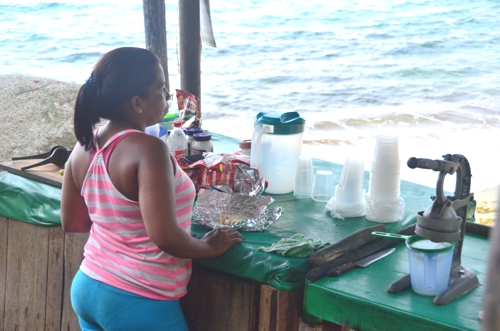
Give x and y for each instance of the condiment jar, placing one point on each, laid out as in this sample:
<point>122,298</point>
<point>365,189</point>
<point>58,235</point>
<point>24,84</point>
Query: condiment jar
<point>189,136</point>
<point>202,143</point>
<point>246,147</point>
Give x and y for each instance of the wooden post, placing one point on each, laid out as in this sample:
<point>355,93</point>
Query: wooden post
<point>156,32</point>
<point>190,47</point>
<point>489,316</point>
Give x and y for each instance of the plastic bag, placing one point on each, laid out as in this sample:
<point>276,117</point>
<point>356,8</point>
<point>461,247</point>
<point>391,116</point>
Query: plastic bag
<point>189,112</point>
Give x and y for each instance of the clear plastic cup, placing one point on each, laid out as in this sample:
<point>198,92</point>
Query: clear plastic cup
<point>350,187</point>
<point>304,178</point>
<point>324,188</point>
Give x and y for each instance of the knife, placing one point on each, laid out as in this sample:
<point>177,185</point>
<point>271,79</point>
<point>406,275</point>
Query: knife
<point>363,262</point>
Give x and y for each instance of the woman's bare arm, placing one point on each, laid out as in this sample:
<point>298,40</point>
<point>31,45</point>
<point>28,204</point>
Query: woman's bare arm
<point>157,200</point>
<point>74,212</point>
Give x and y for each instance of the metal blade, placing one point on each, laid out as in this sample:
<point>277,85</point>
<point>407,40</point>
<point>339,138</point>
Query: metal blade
<point>366,261</point>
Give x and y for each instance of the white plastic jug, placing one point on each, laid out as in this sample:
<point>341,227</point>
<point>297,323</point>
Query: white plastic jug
<point>276,146</point>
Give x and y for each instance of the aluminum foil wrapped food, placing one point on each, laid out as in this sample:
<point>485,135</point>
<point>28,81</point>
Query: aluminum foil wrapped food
<point>216,209</point>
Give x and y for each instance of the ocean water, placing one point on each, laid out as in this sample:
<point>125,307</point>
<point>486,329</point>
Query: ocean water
<point>427,71</point>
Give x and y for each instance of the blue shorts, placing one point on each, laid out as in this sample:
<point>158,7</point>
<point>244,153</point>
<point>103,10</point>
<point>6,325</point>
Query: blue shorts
<point>103,307</point>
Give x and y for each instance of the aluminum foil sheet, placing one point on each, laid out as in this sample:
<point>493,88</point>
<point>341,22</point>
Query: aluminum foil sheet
<point>247,181</point>
<point>210,204</point>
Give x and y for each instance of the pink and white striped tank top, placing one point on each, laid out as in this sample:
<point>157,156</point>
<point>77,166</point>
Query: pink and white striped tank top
<point>119,252</point>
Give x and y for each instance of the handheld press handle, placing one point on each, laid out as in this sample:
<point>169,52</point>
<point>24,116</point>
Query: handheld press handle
<point>436,165</point>
<point>449,166</point>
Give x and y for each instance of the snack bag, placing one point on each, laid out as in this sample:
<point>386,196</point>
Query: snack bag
<point>226,172</point>
<point>189,112</point>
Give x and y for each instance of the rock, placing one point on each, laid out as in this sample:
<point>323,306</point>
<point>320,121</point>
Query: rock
<point>36,114</point>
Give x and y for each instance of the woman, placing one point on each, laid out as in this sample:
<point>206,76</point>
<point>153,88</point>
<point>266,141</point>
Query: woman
<point>126,189</point>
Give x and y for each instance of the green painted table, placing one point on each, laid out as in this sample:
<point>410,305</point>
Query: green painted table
<point>359,299</point>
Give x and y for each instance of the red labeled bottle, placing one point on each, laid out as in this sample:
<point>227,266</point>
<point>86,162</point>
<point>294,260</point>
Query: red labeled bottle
<point>177,142</point>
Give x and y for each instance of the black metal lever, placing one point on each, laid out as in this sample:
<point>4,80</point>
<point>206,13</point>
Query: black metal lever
<point>38,156</point>
<point>58,156</point>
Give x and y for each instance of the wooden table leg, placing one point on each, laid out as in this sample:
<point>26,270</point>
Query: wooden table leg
<point>217,301</point>
<point>279,310</point>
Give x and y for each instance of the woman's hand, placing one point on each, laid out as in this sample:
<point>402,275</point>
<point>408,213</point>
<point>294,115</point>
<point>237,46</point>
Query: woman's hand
<point>220,240</point>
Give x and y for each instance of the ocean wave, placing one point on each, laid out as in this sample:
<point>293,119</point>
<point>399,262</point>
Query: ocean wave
<point>40,6</point>
<point>328,142</point>
<point>353,67</point>
<point>325,126</point>
<point>75,57</point>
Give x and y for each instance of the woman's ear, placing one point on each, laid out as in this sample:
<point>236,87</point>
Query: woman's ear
<point>136,104</point>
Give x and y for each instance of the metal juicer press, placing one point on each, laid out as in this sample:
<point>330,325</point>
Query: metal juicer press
<point>445,221</point>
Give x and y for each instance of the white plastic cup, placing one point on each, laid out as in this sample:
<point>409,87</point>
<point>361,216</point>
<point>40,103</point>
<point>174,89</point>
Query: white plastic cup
<point>385,170</point>
<point>323,186</point>
<point>350,187</point>
<point>386,149</point>
<point>384,187</point>
<point>382,168</point>
<point>304,178</point>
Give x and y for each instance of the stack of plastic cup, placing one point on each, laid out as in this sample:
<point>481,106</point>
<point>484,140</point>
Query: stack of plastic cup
<point>304,178</point>
<point>350,187</point>
<point>384,205</point>
<point>349,199</point>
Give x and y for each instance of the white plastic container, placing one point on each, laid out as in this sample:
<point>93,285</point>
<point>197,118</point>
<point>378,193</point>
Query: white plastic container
<point>202,143</point>
<point>177,142</point>
<point>246,147</point>
<point>190,139</point>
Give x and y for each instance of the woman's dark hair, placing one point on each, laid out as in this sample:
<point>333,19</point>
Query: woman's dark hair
<point>119,75</point>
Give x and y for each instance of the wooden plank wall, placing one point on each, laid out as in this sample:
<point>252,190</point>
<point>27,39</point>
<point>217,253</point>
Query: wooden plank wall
<point>37,265</point>
<point>217,301</point>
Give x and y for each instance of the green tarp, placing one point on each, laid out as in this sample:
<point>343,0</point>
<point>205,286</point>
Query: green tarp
<point>30,201</point>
